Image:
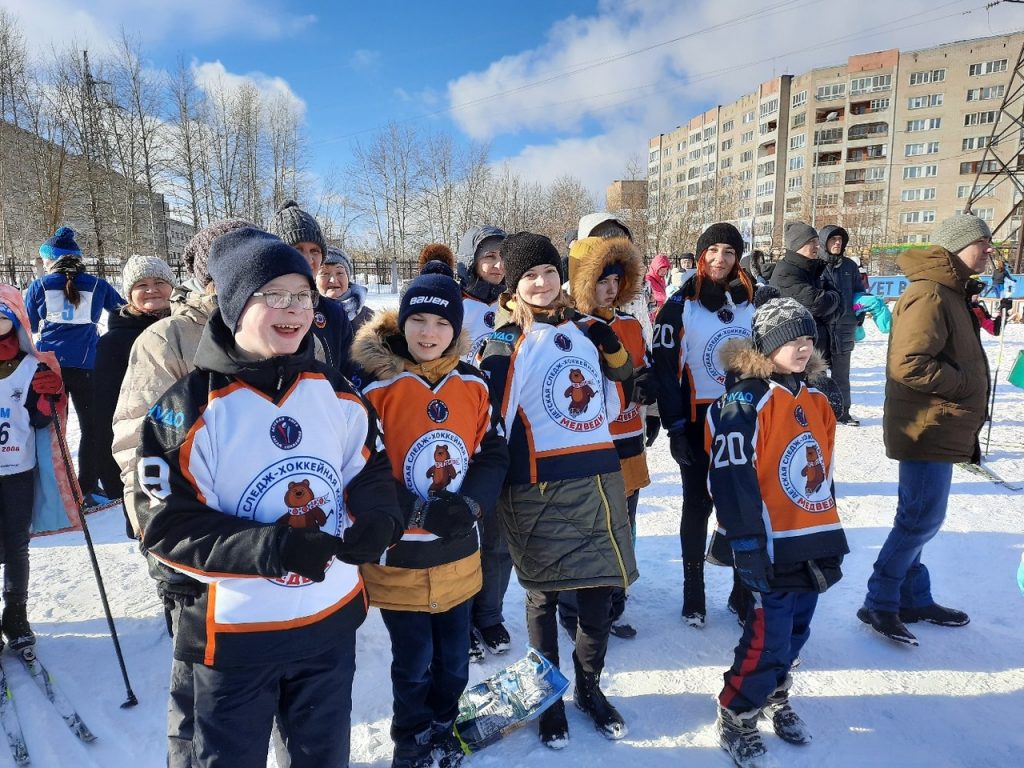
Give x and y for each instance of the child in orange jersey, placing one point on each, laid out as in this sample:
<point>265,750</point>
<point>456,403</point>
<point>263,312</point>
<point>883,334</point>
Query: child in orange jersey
<point>605,274</point>
<point>449,462</point>
<point>771,438</point>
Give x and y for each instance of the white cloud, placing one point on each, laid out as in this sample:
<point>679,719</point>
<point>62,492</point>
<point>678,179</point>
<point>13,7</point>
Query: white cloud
<point>212,76</point>
<point>577,83</point>
<point>49,23</point>
<point>363,58</point>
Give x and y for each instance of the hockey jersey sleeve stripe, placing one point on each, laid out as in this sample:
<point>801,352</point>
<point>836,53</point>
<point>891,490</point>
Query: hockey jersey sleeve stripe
<point>272,626</point>
<point>207,577</point>
<point>186,457</point>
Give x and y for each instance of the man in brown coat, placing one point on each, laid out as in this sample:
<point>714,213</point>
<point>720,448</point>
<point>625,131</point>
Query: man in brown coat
<point>936,392</point>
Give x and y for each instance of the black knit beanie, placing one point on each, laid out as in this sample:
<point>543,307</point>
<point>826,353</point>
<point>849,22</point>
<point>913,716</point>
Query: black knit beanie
<point>778,321</point>
<point>243,261</point>
<point>722,232</point>
<point>294,226</point>
<point>434,292</point>
<point>524,251</point>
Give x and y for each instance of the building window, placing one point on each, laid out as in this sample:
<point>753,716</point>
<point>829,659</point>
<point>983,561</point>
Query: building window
<point>655,155</point>
<point>793,205</point>
<point>727,145</point>
<point>985,214</point>
<point>928,148</point>
<point>728,125</point>
<point>928,76</point>
<point>870,84</point>
<point>748,117</point>
<point>920,171</point>
<point>830,200</point>
<point>984,94</point>
<point>986,190</point>
<point>987,67</point>
<point>747,137</point>
<point>922,102</point>
<point>981,118</point>
<point>710,131</point>
<point>977,142</point>
<point>797,182</point>
<point>924,124</point>
<point>766,169</point>
<point>829,136</point>
<point>766,188</point>
<point>830,92</point>
<point>912,195</point>
<point>795,142</point>
<point>918,217</point>
<point>770,107</point>
<point>799,120</point>
<point>726,163</point>
<point>796,162</point>
<point>765,208</point>
<point>973,166</point>
<point>799,99</point>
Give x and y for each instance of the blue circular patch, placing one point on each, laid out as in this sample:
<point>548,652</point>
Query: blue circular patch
<point>320,320</point>
<point>489,319</point>
<point>437,411</point>
<point>285,433</point>
<point>563,342</point>
<point>801,417</point>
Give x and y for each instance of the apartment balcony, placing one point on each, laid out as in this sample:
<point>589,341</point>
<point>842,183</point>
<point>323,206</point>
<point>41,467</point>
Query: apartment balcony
<point>832,114</point>
<point>864,154</point>
<point>867,131</point>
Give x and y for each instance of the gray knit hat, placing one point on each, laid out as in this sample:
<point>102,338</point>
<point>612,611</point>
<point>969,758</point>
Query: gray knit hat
<point>796,235</point>
<point>957,232</point>
<point>294,226</point>
<point>338,256</point>
<point>141,267</point>
<point>197,250</point>
<point>778,321</point>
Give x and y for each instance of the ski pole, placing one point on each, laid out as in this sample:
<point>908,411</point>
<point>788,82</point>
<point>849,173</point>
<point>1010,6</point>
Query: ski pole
<point>131,701</point>
<point>995,376</point>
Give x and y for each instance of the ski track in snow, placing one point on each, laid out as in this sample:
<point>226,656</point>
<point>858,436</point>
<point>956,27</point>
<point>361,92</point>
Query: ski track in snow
<point>956,700</point>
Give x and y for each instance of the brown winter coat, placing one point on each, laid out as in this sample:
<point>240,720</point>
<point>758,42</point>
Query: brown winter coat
<point>937,377</point>
<point>589,258</point>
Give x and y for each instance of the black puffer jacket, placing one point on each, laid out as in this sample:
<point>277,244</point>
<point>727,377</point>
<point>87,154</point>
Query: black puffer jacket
<point>802,279</point>
<point>844,274</point>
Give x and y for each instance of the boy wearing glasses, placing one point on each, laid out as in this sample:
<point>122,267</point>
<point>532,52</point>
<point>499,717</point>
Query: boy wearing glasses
<point>262,475</point>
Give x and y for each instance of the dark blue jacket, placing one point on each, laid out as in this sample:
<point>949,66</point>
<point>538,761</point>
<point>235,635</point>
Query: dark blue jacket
<point>69,331</point>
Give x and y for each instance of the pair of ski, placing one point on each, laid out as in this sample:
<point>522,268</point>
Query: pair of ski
<point>9,715</point>
<point>985,471</point>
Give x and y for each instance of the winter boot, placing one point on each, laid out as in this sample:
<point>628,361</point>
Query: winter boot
<point>414,752</point>
<point>784,720</point>
<point>14,621</point>
<point>935,614</point>
<point>590,699</point>
<point>694,610</point>
<point>554,729</point>
<point>496,638</point>
<point>622,629</point>
<point>445,746</point>
<point>887,624</point>
<point>738,735</point>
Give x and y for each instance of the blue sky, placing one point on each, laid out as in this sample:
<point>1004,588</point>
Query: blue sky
<point>563,86</point>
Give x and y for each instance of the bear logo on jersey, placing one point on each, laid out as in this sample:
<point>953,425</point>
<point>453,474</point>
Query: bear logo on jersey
<point>443,471</point>
<point>434,462</point>
<point>572,395</point>
<point>803,476</point>
<point>285,433</point>
<point>303,507</point>
<point>437,411</point>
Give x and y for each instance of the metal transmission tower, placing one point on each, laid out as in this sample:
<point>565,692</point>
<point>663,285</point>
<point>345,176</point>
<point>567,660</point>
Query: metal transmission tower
<point>1003,162</point>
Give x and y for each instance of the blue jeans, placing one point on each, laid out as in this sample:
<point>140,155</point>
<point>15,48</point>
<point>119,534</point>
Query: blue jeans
<point>429,672</point>
<point>900,579</point>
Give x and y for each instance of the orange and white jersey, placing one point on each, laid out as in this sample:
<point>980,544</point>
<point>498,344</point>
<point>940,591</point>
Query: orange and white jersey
<point>628,427</point>
<point>771,452</point>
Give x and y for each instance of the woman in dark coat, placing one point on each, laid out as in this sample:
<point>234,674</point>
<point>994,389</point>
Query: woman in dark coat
<point>148,282</point>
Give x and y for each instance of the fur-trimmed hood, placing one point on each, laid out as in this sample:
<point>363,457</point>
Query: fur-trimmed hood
<point>742,359</point>
<point>590,257</point>
<point>379,349</point>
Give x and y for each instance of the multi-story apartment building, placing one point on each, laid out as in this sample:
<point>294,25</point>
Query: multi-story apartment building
<point>887,144</point>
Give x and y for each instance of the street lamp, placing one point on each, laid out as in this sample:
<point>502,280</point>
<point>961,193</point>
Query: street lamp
<point>830,118</point>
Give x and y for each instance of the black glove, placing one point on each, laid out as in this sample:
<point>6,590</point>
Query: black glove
<point>604,337</point>
<point>449,515</point>
<point>183,593</point>
<point>679,447</point>
<point>1006,303</point>
<point>306,551</point>
<point>645,387</point>
<point>752,564</point>
<point>653,428</point>
<point>366,540</point>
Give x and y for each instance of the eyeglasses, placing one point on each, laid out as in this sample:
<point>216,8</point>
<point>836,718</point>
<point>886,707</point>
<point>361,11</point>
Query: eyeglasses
<point>284,299</point>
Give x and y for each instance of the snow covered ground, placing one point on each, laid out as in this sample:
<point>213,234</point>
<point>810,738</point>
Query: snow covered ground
<point>955,701</point>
